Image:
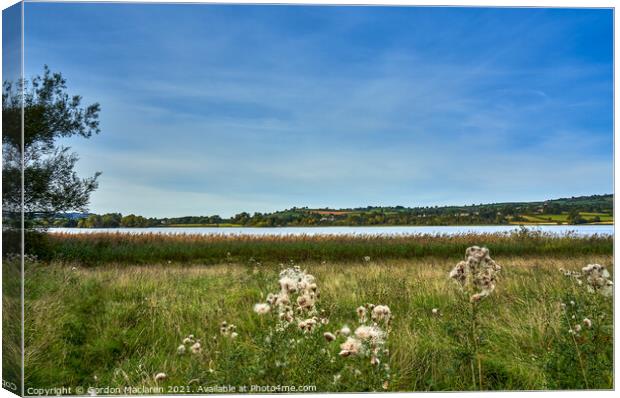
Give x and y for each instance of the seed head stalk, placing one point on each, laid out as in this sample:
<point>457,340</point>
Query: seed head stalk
<point>477,276</point>
<point>475,344</point>
<point>583,370</point>
<point>475,338</point>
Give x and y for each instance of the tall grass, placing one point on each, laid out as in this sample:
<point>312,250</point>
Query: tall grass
<point>148,248</point>
<point>11,324</point>
<point>119,325</point>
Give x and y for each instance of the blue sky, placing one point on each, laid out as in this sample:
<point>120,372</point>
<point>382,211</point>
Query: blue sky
<point>11,42</point>
<point>221,109</point>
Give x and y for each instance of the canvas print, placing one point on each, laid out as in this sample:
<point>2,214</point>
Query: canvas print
<point>243,198</point>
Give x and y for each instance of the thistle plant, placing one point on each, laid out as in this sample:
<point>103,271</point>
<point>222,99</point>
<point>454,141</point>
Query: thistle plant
<point>585,328</point>
<point>297,318</point>
<point>292,322</point>
<point>296,300</point>
<point>369,339</point>
<point>476,276</point>
<point>597,278</point>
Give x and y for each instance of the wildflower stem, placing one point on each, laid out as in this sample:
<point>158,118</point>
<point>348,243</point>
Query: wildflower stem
<point>474,332</point>
<point>583,370</point>
<point>480,370</point>
<point>472,338</point>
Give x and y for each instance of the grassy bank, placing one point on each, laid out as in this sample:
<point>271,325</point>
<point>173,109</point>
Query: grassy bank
<point>149,248</point>
<point>119,325</point>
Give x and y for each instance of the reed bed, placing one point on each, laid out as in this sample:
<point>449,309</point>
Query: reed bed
<point>126,248</point>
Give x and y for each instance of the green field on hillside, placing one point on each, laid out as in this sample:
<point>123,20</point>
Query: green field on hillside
<point>589,217</point>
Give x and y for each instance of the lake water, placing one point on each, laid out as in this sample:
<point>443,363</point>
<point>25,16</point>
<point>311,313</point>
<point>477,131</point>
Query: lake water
<point>582,230</point>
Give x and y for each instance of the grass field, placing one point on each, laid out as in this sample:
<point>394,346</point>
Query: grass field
<point>118,325</point>
<point>563,218</point>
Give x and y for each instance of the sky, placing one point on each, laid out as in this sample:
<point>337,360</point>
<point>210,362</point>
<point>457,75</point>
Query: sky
<point>11,42</point>
<point>213,109</point>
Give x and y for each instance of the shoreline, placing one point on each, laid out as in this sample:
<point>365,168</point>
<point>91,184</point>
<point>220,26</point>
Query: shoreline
<point>516,225</point>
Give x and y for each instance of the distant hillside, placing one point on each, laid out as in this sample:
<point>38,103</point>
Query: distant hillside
<point>592,203</point>
<point>594,209</point>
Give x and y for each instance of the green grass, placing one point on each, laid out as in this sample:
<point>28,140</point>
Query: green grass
<point>604,217</point>
<point>11,325</point>
<point>99,248</point>
<point>546,218</point>
<point>563,218</point>
<point>118,325</point>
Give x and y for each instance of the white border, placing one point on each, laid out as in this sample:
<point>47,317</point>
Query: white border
<point>464,3</point>
<point>473,3</point>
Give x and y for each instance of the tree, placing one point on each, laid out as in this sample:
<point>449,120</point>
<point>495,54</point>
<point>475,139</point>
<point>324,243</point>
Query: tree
<point>111,220</point>
<point>551,208</point>
<point>133,221</point>
<point>51,185</point>
<point>575,218</point>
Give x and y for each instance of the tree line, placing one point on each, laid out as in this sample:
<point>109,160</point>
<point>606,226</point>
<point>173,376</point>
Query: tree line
<point>483,214</point>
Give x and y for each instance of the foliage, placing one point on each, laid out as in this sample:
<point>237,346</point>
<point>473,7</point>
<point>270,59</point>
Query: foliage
<point>11,322</point>
<point>51,185</point>
<point>575,358</point>
<point>575,218</point>
<point>585,209</point>
<point>120,325</point>
<point>94,248</point>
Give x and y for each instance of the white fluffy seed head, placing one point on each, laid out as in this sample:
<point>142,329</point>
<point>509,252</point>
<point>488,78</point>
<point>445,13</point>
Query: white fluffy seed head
<point>370,333</point>
<point>307,325</point>
<point>262,308</point>
<point>351,346</point>
<point>196,348</point>
<point>381,313</point>
<point>478,273</point>
<point>598,280</point>
<point>283,299</point>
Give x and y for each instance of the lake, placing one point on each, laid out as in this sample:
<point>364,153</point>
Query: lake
<point>582,230</point>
